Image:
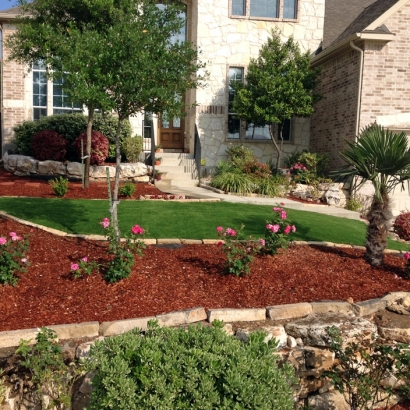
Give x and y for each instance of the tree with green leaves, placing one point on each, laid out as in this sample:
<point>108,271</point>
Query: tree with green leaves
<point>383,158</point>
<point>279,84</point>
<point>120,56</point>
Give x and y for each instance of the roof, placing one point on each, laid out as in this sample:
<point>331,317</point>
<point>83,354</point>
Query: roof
<point>12,10</point>
<point>343,19</point>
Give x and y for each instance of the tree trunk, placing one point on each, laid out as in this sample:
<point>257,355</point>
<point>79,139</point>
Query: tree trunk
<point>379,217</point>
<point>88,146</point>
<point>115,201</point>
<point>279,150</point>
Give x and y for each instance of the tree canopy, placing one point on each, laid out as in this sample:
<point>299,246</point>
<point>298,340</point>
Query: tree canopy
<point>279,84</point>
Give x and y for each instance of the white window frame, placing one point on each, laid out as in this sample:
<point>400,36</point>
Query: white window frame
<point>281,7</point>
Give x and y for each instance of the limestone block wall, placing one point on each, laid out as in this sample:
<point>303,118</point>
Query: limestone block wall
<point>386,86</point>
<point>334,118</point>
<point>231,41</point>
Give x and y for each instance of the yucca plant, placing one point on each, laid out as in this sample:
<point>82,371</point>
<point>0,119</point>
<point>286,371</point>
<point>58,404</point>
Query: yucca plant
<point>234,182</point>
<point>383,158</point>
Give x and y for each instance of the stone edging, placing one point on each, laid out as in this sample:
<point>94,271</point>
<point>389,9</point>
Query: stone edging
<point>169,241</point>
<point>11,339</point>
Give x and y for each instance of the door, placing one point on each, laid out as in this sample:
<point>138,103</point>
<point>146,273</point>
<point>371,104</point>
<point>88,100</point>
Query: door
<point>171,133</point>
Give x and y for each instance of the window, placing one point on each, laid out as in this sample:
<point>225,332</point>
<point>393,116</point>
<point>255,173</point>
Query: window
<point>147,125</point>
<point>41,99</point>
<point>242,131</point>
<point>273,9</point>
<point>39,91</point>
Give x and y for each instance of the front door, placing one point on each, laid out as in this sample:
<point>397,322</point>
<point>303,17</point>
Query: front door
<point>171,133</point>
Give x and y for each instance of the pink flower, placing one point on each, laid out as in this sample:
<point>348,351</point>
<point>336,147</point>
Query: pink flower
<point>275,228</point>
<point>137,230</point>
<point>287,230</point>
<point>283,215</point>
<point>406,255</point>
<point>228,230</point>
<point>282,203</point>
<point>233,232</point>
<point>220,243</point>
<point>12,234</point>
<point>3,240</point>
<point>262,242</point>
<point>74,266</point>
<point>16,238</point>
<point>105,223</point>
<point>293,228</point>
<point>24,260</point>
<point>85,259</point>
<point>219,229</point>
<point>277,209</point>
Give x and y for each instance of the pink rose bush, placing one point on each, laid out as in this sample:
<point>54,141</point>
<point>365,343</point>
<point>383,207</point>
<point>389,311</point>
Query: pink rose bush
<point>239,253</point>
<point>277,231</point>
<point>13,258</point>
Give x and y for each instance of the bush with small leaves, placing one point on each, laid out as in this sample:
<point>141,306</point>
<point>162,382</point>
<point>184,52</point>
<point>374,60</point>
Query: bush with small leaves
<point>195,368</point>
<point>132,148</point>
<point>127,189</point>
<point>48,145</point>
<point>59,186</point>
<point>402,225</point>
<point>99,147</point>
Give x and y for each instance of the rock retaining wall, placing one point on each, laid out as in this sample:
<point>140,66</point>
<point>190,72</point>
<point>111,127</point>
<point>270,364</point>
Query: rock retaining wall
<point>22,165</point>
<point>300,330</point>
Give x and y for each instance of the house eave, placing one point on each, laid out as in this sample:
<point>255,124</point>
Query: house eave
<point>343,46</point>
<point>8,16</point>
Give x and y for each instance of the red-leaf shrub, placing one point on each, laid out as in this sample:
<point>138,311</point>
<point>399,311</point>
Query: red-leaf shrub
<point>99,146</point>
<point>402,225</point>
<point>48,145</point>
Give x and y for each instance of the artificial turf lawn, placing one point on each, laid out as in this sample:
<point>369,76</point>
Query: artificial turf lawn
<point>195,220</point>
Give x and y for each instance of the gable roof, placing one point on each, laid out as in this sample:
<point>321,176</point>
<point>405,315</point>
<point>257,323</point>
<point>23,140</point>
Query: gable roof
<point>339,15</point>
<point>369,15</point>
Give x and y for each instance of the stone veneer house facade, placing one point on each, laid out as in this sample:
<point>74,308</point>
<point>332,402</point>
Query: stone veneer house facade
<point>365,61</point>
<point>228,33</point>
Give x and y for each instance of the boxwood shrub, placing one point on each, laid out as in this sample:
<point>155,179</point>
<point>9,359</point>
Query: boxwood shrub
<point>195,368</point>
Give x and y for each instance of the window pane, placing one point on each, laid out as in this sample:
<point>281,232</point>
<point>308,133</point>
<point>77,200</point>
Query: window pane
<point>234,124</point>
<point>289,9</point>
<point>257,133</point>
<point>39,89</point>
<point>148,124</point>
<point>67,111</point>
<point>234,127</point>
<point>264,8</point>
<point>176,122</point>
<point>38,113</point>
<point>238,7</point>
<point>286,131</point>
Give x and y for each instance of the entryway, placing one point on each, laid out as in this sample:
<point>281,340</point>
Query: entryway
<point>171,133</point>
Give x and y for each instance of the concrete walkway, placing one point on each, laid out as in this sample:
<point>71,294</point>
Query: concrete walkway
<point>202,193</point>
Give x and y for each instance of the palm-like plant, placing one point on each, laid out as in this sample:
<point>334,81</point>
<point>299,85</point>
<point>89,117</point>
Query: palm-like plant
<point>383,158</point>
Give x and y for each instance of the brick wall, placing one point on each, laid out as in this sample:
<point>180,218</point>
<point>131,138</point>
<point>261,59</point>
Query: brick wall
<point>334,118</point>
<point>386,83</point>
<point>13,107</point>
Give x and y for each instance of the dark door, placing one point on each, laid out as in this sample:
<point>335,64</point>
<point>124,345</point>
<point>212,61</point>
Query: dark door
<point>171,133</point>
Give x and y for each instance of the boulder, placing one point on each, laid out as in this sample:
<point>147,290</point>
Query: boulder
<point>51,168</point>
<point>334,195</point>
<point>26,165</point>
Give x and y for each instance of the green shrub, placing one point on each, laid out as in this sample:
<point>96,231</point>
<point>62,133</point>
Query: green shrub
<point>240,155</point>
<point>195,368</point>
<point>127,189</point>
<point>272,187</point>
<point>50,376</point>
<point>59,186</point>
<point>23,135</point>
<point>225,166</point>
<point>132,148</point>
<point>234,182</point>
<point>315,163</point>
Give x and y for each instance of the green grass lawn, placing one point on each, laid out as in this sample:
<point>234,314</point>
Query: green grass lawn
<point>167,219</point>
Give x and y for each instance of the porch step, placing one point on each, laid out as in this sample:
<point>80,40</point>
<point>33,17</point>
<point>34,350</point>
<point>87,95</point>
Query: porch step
<point>179,169</point>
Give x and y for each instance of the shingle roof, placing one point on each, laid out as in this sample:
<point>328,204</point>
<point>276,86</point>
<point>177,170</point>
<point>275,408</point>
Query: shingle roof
<point>12,10</point>
<point>344,18</point>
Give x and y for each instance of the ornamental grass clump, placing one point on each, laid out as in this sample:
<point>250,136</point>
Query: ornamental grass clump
<point>277,231</point>
<point>239,252</point>
<point>195,368</point>
<point>13,258</point>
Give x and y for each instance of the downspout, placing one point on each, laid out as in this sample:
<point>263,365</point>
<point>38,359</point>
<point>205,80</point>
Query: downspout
<point>359,93</point>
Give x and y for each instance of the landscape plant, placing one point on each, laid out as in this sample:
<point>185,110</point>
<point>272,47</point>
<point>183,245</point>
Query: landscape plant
<point>383,158</point>
<point>99,147</point>
<point>132,148</point>
<point>122,253</point>
<point>13,258</point>
<point>127,189</point>
<point>401,225</point>
<point>277,231</point>
<point>363,365</point>
<point>59,186</point>
<point>51,379</point>
<point>239,252</point>
<point>199,367</point>
<point>283,71</point>
<point>48,145</point>
<point>84,267</point>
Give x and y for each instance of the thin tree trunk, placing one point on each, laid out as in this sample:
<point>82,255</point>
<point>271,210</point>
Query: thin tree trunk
<point>379,217</point>
<point>115,201</point>
<point>279,150</point>
<point>88,146</point>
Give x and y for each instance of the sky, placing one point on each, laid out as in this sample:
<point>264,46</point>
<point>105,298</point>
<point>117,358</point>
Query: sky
<point>7,4</point>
